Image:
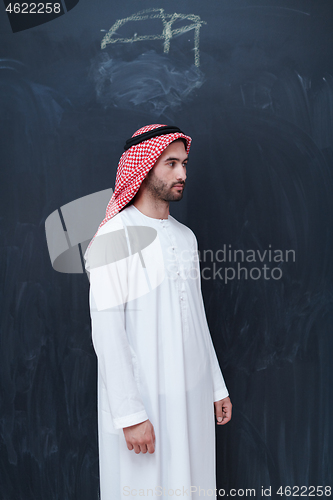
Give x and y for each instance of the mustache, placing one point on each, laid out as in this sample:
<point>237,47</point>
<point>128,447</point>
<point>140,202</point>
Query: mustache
<point>179,183</point>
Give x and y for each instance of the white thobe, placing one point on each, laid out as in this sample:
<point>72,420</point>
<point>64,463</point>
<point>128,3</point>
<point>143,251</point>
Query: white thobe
<point>156,361</point>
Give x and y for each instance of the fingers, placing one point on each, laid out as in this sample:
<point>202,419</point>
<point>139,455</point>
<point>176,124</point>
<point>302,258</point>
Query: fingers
<point>227,411</point>
<point>151,447</point>
<point>223,410</point>
<point>141,448</point>
<point>142,445</point>
<point>151,444</point>
<point>226,418</point>
<point>138,447</point>
<point>218,411</point>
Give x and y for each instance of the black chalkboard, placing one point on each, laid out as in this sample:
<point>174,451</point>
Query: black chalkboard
<point>252,84</point>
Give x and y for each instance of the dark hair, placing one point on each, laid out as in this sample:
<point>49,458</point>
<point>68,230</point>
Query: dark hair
<point>181,139</point>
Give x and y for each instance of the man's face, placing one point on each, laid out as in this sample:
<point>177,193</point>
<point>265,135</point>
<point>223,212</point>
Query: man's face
<point>166,180</point>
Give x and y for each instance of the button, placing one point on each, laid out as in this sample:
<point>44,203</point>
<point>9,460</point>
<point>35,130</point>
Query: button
<point>177,272</point>
<point>181,298</point>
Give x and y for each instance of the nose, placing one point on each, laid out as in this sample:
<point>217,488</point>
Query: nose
<point>181,173</point>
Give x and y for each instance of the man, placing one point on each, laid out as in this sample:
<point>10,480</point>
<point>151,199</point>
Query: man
<point>159,381</point>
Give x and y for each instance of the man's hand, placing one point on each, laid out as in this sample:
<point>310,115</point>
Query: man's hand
<point>141,437</point>
<point>223,410</point>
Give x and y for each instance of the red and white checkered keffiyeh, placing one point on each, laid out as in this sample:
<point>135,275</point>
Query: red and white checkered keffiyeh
<point>133,167</point>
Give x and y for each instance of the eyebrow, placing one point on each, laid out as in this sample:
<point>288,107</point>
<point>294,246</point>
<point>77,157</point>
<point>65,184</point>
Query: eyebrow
<point>176,159</point>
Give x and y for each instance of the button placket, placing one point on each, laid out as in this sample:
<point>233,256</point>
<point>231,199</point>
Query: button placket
<point>181,288</point>
<point>180,281</point>
<point>174,248</point>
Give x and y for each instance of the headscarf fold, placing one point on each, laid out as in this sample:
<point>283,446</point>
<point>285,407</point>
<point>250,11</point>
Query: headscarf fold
<point>133,167</point>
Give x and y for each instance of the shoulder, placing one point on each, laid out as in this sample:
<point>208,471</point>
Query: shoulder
<point>185,231</point>
<point>112,225</point>
<point>108,245</point>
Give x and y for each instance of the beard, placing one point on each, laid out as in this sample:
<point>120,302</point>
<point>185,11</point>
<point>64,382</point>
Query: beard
<point>160,190</point>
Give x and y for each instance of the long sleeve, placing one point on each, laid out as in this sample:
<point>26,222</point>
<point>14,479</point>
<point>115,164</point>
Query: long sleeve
<point>116,358</point>
<point>220,389</point>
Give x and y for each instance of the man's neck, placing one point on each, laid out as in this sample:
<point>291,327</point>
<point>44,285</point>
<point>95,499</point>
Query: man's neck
<point>152,209</point>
